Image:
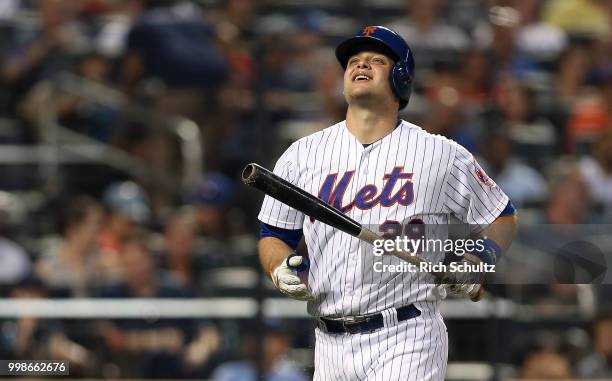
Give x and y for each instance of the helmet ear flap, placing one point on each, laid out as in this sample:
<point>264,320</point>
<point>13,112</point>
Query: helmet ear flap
<point>401,81</point>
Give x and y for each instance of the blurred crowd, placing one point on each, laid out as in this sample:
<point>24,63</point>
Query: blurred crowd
<point>526,85</point>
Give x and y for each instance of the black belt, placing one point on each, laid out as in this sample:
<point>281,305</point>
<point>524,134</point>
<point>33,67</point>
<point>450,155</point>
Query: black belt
<point>365,323</point>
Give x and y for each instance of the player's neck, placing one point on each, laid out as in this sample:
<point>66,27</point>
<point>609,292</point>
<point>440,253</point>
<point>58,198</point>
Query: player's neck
<point>369,125</point>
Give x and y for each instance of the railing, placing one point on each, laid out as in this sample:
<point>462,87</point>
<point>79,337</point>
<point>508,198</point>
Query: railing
<point>61,146</point>
<point>238,308</point>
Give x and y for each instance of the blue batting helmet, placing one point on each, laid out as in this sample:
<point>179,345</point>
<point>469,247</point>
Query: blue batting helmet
<point>389,42</point>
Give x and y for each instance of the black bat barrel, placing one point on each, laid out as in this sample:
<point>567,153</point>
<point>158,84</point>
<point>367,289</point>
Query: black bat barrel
<point>280,189</point>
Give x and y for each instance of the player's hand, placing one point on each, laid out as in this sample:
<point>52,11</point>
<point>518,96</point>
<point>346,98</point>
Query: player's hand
<point>469,284</point>
<point>285,278</point>
<point>474,291</point>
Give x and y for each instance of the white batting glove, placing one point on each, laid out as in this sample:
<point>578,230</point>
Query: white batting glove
<point>468,284</point>
<point>464,290</point>
<point>285,278</point>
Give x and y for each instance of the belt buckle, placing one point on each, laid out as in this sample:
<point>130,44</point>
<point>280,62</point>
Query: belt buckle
<point>350,321</point>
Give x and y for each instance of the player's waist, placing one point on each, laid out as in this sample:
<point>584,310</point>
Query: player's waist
<point>369,322</point>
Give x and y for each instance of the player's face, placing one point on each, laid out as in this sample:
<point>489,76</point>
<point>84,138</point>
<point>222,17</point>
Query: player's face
<point>366,77</point>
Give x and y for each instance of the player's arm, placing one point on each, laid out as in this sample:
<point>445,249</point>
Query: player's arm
<point>502,231</point>
<point>272,252</point>
<point>493,241</point>
<point>496,238</point>
<point>280,261</point>
<point>498,235</point>
<point>476,200</point>
<point>281,232</point>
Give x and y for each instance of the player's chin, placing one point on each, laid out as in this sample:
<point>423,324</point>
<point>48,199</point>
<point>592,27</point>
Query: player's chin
<point>360,94</point>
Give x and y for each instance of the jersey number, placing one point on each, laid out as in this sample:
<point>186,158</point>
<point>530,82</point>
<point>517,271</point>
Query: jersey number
<point>414,229</point>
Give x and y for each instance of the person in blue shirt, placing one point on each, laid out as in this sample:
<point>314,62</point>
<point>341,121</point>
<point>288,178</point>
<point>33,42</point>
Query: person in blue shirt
<point>276,366</point>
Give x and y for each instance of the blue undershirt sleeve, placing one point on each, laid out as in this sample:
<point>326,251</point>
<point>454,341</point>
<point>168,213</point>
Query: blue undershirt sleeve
<point>508,210</point>
<point>290,237</point>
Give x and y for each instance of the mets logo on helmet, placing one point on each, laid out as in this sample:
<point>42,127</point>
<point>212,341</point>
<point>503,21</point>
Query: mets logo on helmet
<point>368,30</point>
<point>481,175</point>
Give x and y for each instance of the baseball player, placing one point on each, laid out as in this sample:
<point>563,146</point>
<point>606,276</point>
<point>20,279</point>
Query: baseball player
<point>381,171</point>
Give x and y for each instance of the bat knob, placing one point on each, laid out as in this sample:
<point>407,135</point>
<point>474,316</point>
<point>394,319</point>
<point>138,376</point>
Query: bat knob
<point>249,172</point>
<point>298,262</point>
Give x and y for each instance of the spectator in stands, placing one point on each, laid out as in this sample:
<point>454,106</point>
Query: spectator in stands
<point>171,41</point>
<point>179,242</point>
<point>590,116</point>
<point>241,14</point>
<point>566,207</point>
<point>15,264</point>
<point>174,61</point>
<point>332,105</point>
<point>38,53</point>
<point>580,17</point>
<point>127,210</point>
<point>568,78</point>
<point>221,236</point>
<point>499,37</point>
<point>28,336</point>
<point>307,42</point>
<point>111,34</point>
<point>70,266</point>
<point>141,278</point>
<point>596,172</point>
<point>475,81</point>
<point>148,347</point>
<point>227,148</point>
<point>601,55</point>
<point>277,41</point>
<point>536,38</point>
<point>202,355</point>
<point>569,200</point>
<point>212,198</point>
<point>532,134</point>
<point>546,365</point>
<point>445,114</point>
<point>599,363</point>
<point>496,35</point>
<point>430,37</point>
<point>276,366</point>
<point>93,116</point>
<point>522,183</point>
<point>571,73</point>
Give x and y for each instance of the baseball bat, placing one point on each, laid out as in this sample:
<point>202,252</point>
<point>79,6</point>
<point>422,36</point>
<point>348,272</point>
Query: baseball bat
<point>280,189</point>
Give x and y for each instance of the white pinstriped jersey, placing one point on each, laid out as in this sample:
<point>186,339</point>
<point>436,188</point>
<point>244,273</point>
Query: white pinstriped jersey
<point>407,173</point>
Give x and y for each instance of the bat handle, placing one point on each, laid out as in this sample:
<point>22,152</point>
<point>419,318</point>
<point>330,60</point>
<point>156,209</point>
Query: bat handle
<point>302,266</point>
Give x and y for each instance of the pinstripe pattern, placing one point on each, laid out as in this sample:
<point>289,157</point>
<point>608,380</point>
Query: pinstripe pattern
<point>414,349</point>
<point>445,183</point>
